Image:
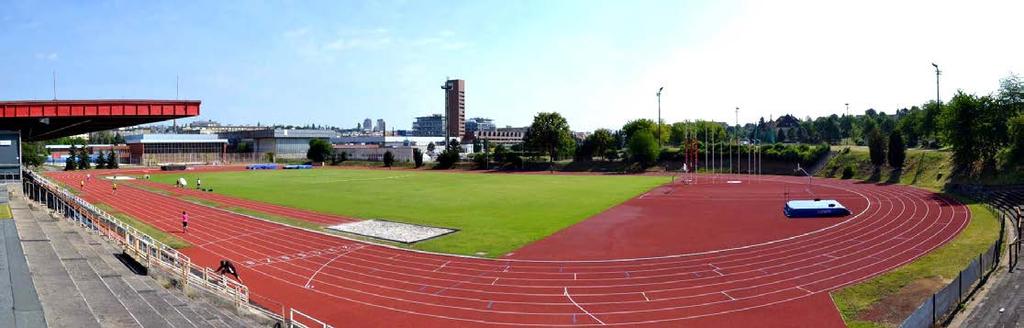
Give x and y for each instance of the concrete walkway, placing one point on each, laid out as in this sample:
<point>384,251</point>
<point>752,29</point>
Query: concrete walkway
<point>1003,306</point>
<point>81,282</point>
<point>19,304</point>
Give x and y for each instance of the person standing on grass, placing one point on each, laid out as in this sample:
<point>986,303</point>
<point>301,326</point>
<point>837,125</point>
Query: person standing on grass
<point>184,222</point>
<point>199,183</point>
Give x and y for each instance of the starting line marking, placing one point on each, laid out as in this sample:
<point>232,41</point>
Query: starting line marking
<point>645,296</point>
<point>729,296</point>
<point>580,307</point>
<point>442,265</point>
<point>804,289</point>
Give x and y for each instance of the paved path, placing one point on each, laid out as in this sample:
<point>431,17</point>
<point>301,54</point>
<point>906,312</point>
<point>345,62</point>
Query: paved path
<point>1003,306</point>
<point>19,304</point>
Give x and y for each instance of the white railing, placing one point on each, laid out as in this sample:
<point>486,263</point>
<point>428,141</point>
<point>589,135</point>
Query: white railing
<point>301,320</point>
<point>155,254</point>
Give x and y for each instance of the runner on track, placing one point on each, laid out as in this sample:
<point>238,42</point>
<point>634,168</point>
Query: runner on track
<point>184,222</point>
<point>83,185</point>
<point>113,185</point>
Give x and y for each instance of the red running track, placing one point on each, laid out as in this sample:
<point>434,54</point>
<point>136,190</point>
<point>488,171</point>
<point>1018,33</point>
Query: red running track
<point>779,282</point>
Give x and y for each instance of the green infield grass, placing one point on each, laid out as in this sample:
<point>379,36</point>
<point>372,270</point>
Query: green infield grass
<point>495,213</point>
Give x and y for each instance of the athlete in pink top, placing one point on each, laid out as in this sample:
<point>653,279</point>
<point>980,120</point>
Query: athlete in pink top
<point>184,222</point>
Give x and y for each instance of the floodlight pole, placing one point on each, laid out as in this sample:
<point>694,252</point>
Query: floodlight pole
<point>737,141</point>
<point>659,117</point>
<point>937,73</point>
<point>444,115</point>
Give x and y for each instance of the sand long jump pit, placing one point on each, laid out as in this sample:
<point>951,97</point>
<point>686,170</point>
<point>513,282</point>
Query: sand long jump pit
<point>392,231</point>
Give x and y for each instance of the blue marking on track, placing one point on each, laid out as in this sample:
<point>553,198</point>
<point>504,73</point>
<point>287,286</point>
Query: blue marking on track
<point>422,288</point>
<point>490,304</point>
<point>627,274</point>
<point>574,318</point>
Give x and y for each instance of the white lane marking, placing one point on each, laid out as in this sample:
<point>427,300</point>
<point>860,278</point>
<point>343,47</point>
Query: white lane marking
<point>580,307</point>
<point>729,296</point>
<point>442,265</point>
<point>804,289</point>
<point>645,296</point>
<point>310,281</point>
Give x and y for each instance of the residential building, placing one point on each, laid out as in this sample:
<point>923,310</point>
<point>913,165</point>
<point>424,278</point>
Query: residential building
<point>428,126</point>
<point>480,124</point>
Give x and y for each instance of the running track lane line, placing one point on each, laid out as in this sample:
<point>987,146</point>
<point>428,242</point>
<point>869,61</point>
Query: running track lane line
<point>310,281</point>
<point>580,307</point>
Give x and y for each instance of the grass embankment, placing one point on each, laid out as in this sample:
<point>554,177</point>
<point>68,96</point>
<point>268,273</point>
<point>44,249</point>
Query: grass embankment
<point>495,213</point>
<point>928,169</point>
<point>886,300</point>
<point>5,212</point>
<point>159,235</point>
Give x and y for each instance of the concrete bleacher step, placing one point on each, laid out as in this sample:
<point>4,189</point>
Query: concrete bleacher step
<point>63,304</point>
<point>82,284</point>
<point>201,311</point>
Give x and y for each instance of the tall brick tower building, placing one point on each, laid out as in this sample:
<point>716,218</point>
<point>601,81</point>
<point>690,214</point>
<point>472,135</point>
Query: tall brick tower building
<point>455,107</point>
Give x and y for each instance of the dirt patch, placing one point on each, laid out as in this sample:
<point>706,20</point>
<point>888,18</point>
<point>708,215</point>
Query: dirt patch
<point>892,309</point>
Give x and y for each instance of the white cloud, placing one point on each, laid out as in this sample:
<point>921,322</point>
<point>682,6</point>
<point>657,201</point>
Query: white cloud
<point>52,56</point>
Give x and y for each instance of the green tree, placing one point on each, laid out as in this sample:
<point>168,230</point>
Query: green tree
<point>602,140</point>
<point>643,149</point>
<point>876,148</point>
<point>33,153</point>
<point>550,133</point>
<point>897,150</point>
<point>112,160</point>
<point>319,150</point>
<point>959,124</point>
<point>84,159</point>
<point>101,160</point>
<point>70,164</point>
<point>1016,137</point>
<point>417,157</point>
<point>450,155</point>
<point>389,158</point>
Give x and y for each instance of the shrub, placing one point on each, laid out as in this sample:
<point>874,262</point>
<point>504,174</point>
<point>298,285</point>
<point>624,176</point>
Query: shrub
<point>480,159</point>
<point>611,154</point>
<point>848,172</point>
<point>389,158</point>
<point>417,157</point>
<point>70,164</point>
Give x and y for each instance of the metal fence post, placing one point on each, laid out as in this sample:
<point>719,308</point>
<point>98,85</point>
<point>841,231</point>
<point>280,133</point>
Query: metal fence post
<point>934,319</point>
<point>960,286</point>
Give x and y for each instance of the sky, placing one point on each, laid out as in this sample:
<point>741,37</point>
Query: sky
<point>598,63</point>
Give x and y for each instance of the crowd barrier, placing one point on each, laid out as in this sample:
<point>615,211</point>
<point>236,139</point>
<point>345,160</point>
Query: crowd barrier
<point>298,166</point>
<point>147,250</point>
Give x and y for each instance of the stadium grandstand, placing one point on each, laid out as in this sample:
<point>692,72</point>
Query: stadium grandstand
<point>36,120</point>
<point>155,149</point>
